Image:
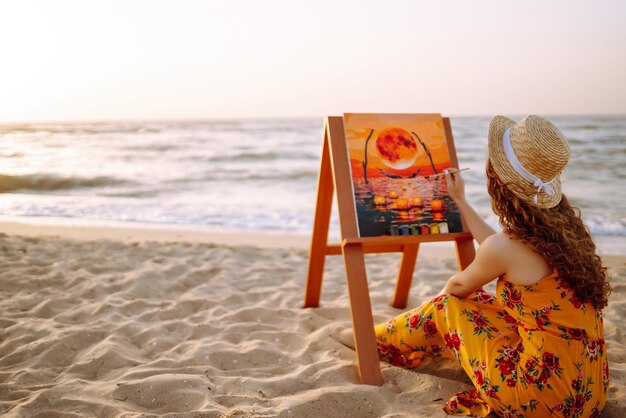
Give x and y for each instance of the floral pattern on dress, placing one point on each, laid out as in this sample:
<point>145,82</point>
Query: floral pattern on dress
<point>482,325</point>
<point>530,351</point>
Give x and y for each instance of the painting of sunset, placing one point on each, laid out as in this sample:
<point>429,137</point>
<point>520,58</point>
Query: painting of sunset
<point>395,160</point>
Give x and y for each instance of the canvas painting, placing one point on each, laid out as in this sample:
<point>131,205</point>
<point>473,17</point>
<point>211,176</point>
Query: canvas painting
<point>396,162</point>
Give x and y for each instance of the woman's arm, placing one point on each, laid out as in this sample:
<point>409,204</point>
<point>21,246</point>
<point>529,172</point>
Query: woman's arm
<point>492,259</point>
<point>477,226</point>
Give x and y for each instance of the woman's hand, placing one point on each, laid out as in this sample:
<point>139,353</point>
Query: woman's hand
<point>472,220</point>
<point>456,185</point>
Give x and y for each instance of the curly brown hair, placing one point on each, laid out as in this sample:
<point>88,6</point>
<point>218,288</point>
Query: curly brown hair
<point>557,234</point>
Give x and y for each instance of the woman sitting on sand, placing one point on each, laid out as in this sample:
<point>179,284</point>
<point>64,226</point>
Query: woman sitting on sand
<point>537,349</point>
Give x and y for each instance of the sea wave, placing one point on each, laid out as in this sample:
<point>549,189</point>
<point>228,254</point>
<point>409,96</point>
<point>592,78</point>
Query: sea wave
<point>587,126</point>
<point>249,155</point>
<point>156,148</point>
<point>11,154</point>
<point>243,175</point>
<point>45,182</point>
<point>603,226</point>
<point>263,156</point>
<point>294,175</point>
<point>77,129</point>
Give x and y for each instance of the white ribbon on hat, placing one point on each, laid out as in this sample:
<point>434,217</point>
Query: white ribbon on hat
<point>521,170</point>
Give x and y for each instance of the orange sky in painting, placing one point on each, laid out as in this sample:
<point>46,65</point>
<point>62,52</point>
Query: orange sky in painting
<point>429,127</point>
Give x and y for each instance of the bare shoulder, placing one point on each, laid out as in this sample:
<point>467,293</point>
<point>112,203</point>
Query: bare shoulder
<point>498,249</point>
<point>499,245</point>
<point>521,264</point>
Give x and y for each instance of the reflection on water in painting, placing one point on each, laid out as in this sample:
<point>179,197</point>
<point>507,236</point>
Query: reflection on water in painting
<point>382,204</point>
<point>396,188</point>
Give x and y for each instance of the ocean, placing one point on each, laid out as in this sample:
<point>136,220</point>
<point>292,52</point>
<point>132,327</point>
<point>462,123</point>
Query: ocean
<point>257,175</point>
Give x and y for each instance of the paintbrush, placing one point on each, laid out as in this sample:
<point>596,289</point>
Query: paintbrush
<point>450,171</point>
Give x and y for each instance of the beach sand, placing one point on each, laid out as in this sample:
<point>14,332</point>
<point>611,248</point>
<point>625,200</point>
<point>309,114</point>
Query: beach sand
<point>132,322</point>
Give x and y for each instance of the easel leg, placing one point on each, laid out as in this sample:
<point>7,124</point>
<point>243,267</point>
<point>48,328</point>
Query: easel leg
<point>465,252</point>
<point>319,240</point>
<point>405,277</point>
<point>368,363</point>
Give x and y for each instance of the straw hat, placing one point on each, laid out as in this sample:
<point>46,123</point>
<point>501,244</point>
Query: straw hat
<point>529,157</point>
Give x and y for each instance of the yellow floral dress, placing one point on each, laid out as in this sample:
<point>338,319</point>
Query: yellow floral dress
<point>534,351</point>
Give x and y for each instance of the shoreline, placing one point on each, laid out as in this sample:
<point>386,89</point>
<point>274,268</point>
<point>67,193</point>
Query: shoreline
<point>137,232</point>
<point>158,233</point>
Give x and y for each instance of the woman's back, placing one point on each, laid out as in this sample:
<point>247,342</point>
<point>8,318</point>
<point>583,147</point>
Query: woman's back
<point>523,265</point>
<point>561,354</point>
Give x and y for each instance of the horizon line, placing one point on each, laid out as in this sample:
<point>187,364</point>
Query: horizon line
<point>271,118</point>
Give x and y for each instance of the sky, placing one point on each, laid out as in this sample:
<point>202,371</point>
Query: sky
<point>184,59</point>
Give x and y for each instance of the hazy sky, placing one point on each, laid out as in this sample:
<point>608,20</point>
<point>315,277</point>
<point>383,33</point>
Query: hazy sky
<point>144,59</point>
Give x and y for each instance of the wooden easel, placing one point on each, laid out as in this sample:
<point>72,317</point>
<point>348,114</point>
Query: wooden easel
<point>335,169</point>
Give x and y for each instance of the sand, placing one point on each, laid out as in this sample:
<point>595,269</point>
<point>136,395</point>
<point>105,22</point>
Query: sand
<point>133,322</point>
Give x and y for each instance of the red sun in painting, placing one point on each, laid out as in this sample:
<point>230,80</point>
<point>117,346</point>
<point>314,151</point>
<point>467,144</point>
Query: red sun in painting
<point>397,148</point>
